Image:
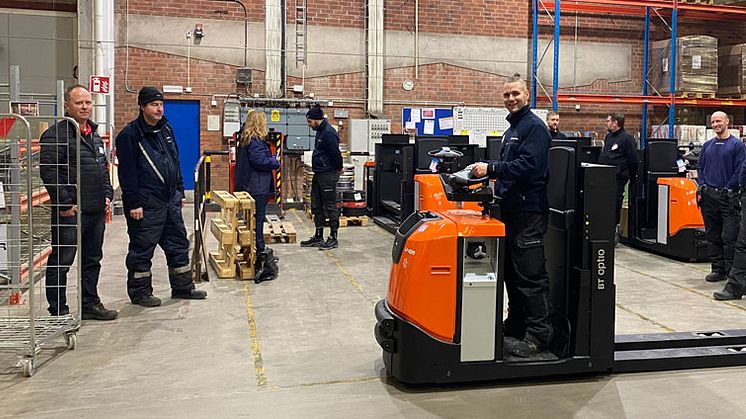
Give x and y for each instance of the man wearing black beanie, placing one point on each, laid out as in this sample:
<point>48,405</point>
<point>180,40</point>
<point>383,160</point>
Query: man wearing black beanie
<point>153,195</point>
<point>326,164</point>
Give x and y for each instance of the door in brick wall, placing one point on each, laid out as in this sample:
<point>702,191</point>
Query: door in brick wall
<point>184,118</point>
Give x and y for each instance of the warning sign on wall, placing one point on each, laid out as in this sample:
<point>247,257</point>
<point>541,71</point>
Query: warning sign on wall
<point>99,84</point>
<point>275,116</point>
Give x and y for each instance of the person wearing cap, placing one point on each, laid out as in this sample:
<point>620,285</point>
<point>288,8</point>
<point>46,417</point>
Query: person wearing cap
<point>326,164</point>
<point>58,163</point>
<point>153,195</point>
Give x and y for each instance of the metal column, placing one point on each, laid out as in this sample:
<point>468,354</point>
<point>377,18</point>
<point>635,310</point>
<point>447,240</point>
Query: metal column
<point>534,53</point>
<point>645,65</point>
<point>672,66</point>
<point>555,79</point>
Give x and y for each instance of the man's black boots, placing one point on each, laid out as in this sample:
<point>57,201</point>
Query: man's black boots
<point>331,242</point>
<point>315,241</point>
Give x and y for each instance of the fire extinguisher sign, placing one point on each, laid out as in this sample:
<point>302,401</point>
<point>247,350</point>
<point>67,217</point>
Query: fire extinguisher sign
<point>99,84</point>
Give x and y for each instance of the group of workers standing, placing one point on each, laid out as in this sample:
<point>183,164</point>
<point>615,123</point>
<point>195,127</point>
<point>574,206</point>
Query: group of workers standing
<point>153,196</point>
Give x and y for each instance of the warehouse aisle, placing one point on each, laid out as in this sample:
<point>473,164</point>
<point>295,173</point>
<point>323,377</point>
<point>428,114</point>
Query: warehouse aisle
<point>302,346</point>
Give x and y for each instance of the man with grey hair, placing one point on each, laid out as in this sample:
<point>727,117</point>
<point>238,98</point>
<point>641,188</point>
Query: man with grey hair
<point>718,168</point>
<point>59,172</point>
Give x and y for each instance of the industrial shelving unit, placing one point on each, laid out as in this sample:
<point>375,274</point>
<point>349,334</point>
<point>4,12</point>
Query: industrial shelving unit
<point>673,10</point>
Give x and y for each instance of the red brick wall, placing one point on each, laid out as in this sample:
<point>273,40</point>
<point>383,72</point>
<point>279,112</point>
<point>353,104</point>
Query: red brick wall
<point>437,85</point>
<point>156,69</point>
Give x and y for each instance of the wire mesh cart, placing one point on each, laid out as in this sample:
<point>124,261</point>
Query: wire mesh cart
<point>28,229</point>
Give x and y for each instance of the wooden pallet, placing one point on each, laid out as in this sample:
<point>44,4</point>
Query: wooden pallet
<point>279,232</point>
<point>696,95</point>
<point>225,268</point>
<point>345,221</point>
<point>735,96</point>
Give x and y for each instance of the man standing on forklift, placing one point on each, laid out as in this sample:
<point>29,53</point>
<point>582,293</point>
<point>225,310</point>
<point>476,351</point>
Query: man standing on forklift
<point>619,150</point>
<point>521,174</point>
<point>718,170</point>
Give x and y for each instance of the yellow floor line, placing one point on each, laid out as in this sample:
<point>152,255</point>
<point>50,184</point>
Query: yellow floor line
<point>351,279</point>
<point>261,379</point>
<point>647,319</point>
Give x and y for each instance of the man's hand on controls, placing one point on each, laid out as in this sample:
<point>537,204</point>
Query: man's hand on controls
<point>136,213</point>
<point>479,170</point>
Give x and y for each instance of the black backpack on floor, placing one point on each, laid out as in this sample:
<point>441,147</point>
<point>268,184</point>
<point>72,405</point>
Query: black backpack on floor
<point>265,267</point>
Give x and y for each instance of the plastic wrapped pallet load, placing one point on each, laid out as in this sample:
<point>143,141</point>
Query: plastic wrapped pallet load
<point>696,65</point>
<point>732,70</point>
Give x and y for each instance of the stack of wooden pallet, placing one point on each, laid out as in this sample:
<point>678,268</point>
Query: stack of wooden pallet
<point>236,250</point>
<point>279,231</point>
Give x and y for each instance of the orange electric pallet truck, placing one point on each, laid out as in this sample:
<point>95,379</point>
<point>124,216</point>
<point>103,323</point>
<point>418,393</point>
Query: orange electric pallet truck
<point>441,321</point>
<point>662,215</point>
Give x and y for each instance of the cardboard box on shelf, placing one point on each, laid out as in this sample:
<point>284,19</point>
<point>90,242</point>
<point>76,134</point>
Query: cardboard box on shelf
<point>696,65</point>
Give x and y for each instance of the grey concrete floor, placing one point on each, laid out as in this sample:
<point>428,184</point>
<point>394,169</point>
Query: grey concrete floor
<point>302,346</point>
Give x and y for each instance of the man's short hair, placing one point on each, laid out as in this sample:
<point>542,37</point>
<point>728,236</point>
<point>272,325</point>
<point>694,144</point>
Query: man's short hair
<point>516,78</point>
<point>69,90</point>
<point>551,114</point>
<point>618,117</point>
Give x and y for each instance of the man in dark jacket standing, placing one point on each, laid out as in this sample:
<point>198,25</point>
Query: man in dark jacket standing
<point>619,150</point>
<point>521,174</point>
<point>153,194</point>
<point>58,166</point>
<point>326,164</point>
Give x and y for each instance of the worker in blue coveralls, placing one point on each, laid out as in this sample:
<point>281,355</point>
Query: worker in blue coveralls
<point>153,195</point>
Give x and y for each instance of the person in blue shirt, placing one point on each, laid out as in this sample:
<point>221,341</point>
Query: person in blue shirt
<point>718,170</point>
<point>254,166</point>
<point>522,173</point>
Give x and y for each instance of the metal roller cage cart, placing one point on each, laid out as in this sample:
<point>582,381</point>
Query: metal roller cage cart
<point>26,231</point>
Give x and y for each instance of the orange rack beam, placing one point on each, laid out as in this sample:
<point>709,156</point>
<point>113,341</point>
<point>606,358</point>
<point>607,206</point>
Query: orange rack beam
<point>639,100</point>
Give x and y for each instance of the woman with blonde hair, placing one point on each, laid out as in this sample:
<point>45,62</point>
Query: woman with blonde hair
<point>254,166</point>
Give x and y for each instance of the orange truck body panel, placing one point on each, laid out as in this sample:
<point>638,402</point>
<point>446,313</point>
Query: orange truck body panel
<point>423,285</point>
<point>432,197</point>
<point>682,204</point>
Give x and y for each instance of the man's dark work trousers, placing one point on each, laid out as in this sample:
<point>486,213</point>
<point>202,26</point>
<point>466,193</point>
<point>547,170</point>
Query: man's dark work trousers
<point>737,279</point>
<point>621,182</point>
<point>64,247</point>
<point>721,213</point>
<point>162,225</point>
<point>324,199</point>
<point>526,277</point>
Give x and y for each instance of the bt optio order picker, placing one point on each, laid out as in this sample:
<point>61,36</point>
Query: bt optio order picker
<point>441,321</point>
<point>662,215</point>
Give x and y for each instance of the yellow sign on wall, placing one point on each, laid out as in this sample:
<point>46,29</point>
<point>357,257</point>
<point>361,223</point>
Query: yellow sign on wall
<point>275,116</point>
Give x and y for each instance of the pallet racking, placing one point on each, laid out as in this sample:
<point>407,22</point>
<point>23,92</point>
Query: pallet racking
<point>673,10</point>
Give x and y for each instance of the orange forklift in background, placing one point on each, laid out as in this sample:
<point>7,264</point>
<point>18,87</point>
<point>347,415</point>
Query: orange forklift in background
<point>663,216</point>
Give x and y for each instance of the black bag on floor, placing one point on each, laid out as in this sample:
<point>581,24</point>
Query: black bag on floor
<point>265,267</point>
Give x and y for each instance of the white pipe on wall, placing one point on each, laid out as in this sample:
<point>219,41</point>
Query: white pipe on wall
<point>273,48</point>
<point>103,65</point>
<point>375,57</point>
